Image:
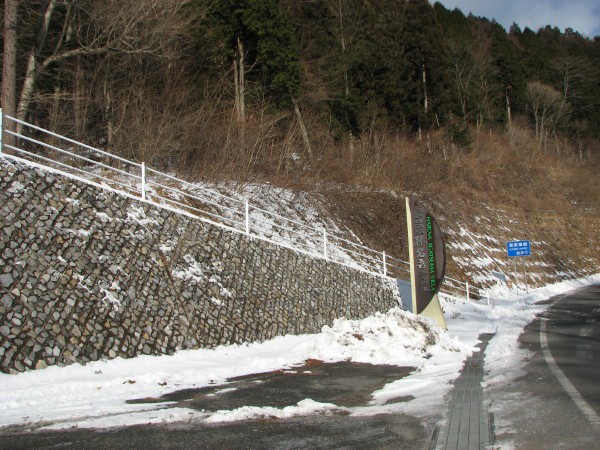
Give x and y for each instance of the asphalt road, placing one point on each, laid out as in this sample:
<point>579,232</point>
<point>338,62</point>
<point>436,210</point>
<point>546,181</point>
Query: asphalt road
<point>378,432</point>
<point>556,403</point>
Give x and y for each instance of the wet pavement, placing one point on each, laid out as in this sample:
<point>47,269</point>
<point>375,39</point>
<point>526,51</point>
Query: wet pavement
<point>344,384</point>
<point>311,432</point>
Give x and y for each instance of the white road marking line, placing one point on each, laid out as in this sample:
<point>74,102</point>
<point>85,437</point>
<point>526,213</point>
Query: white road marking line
<point>583,406</point>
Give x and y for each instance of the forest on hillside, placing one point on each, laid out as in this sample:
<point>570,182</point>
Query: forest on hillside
<point>349,91</point>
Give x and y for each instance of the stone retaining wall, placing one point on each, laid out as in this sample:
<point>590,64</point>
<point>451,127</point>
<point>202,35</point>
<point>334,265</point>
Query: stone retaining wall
<point>88,273</point>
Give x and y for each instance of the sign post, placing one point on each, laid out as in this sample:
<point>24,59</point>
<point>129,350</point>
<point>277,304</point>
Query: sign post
<point>517,249</point>
<point>525,272</point>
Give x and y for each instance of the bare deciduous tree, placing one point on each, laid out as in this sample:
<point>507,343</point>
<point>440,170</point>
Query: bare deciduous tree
<point>91,28</point>
<point>545,102</point>
<point>9,72</point>
<point>473,72</point>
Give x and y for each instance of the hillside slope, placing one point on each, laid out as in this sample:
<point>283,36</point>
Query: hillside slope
<point>563,245</point>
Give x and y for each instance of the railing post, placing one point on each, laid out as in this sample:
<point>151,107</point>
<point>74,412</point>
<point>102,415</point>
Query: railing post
<point>384,266</point>
<point>325,244</point>
<point>1,129</point>
<point>468,296</point>
<point>143,181</point>
<point>247,218</point>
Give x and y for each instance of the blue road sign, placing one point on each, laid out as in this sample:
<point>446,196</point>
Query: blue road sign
<point>518,248</point>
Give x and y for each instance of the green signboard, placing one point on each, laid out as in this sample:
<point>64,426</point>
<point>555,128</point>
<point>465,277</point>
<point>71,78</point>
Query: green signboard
<point>427,255</point>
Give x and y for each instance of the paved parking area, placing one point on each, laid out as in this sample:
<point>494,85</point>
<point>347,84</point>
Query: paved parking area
<point>346,384</point>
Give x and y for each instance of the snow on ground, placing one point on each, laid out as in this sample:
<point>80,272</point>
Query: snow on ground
<point>94,395</point>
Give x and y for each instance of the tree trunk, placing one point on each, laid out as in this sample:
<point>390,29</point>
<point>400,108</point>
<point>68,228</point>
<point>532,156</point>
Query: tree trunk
<point>32,64</point>
<point>537,120</point>
<point>236,88</point>
<point>9,72</point>
<point>430,149</point>
<point>108,111</point>
<point>345,69</point>
<point>55,112</point>
<point>508,113</point>
<point>580,149</point>
<point>343,45</point>
<point>305,139</point>
<point>425,99</point>
<point>240,82</point>
<point>78,101</point>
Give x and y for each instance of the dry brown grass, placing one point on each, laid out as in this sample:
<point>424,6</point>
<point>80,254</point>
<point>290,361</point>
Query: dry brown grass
<point>551,196</point>
<point>205,141</point>
<point>501,168</point>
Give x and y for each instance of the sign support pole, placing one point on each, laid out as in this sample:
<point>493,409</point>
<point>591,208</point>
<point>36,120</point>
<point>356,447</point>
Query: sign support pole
<point>515,272</point>
<point>525,273</point>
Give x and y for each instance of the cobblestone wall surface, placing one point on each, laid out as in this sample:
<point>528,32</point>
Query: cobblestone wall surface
<point>88,274</point>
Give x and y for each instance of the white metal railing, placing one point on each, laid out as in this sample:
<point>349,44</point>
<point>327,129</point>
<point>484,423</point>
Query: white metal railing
<point>454,287</point>
<point>44,147</point>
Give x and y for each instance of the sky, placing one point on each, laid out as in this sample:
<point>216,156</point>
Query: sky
<point>581,15</point>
